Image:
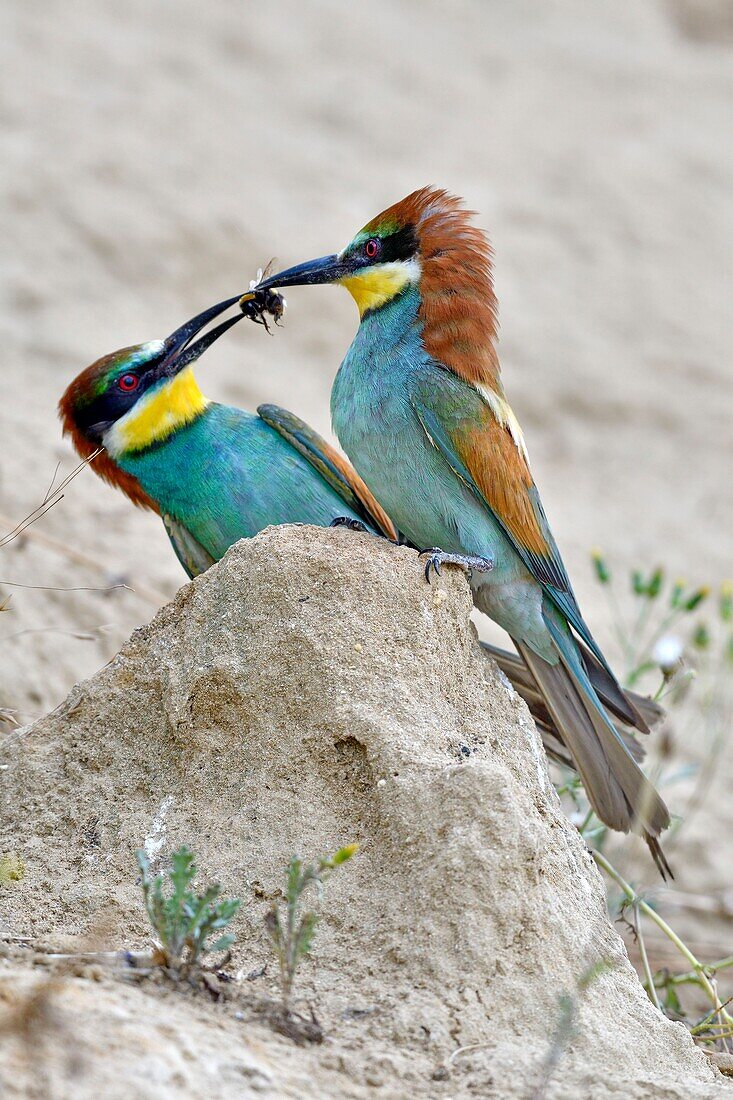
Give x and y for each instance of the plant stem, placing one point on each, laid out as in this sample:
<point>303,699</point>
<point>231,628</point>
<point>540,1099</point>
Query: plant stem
<point>684,950</point>
<point>691,976</point>
<point>650,987</point>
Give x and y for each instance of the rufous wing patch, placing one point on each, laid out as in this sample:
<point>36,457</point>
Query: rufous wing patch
<point>501,473</point>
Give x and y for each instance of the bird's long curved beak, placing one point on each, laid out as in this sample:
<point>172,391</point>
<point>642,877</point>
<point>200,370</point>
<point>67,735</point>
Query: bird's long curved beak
<point>326,269</point>
<point>179,352</point>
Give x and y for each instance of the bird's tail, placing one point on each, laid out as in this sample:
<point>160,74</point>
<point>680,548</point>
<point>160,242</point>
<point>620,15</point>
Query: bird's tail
<point>619,792</point>
<point>523,682</point>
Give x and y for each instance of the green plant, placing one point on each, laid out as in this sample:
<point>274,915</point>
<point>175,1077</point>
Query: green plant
<point>183,920</point>
<point>662,635</point>
<point>703,976</point>
<point>291,933</point>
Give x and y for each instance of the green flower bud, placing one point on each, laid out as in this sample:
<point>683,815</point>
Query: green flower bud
<point>603,573</point>
<point>637,583</point>
<point>345,853</point>
<point>675,597</point>
<point>696,598</point>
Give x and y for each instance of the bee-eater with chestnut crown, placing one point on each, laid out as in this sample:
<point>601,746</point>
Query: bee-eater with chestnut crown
<point>214,473</point>
<point>419,407</point>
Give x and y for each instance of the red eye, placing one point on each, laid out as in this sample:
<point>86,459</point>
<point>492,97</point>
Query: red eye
<point>371,248</point>
<point>128,382</point>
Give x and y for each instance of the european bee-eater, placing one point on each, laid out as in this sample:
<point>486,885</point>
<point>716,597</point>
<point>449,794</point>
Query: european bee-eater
<point>215,474</point>
<point>419,407</point>
<point>218,474</point>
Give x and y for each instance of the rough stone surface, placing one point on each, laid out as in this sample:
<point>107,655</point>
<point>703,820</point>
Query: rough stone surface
<point>308,692</point>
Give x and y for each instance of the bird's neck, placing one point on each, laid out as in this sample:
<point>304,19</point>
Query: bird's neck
<point>387,333</point>
<point>387,342</point>
<point>166,408</point>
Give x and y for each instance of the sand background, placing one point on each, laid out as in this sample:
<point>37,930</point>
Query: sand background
<point>153,156</point>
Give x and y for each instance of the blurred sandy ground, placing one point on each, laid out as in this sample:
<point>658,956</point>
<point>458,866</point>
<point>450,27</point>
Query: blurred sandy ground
<point>154,155</point>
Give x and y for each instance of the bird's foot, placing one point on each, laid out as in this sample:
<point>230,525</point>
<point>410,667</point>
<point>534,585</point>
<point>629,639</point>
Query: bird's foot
<point>349,523</point>
<point>436,557</point>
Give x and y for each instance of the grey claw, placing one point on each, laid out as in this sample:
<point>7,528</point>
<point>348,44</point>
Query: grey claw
<point>348,522</point>
<point>433,562</point>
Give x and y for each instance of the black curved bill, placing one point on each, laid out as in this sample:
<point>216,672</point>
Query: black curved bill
<point>326,269</point>
<point>193,351</point>
<point>178,340</point>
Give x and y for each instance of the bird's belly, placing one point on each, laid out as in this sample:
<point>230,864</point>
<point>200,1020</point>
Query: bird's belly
<point>515,604</point>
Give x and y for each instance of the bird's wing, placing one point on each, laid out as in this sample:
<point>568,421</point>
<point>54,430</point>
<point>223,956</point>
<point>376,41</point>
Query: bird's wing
<point>488,455</point>
<point>332,466</point>
<point>191,554</point>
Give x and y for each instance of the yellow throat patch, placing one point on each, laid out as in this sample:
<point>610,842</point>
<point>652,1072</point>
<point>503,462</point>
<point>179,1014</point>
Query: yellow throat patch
<point>157,414</point>
<point>374,286</point>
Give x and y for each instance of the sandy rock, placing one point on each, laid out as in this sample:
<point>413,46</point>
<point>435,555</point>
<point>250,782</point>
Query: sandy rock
<point>308,692</point>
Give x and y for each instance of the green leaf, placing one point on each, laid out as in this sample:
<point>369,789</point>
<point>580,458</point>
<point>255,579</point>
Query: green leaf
<point>183,872</point>
<point>696,599</point>
<point>603,573</point>
<point>293,887</point>
<point>654,586</point>
<point>143,863</point>
<point>304,935</point>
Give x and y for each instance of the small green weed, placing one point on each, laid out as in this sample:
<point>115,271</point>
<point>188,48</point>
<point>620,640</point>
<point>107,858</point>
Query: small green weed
<point>184,921</point>
<point>291,932</point>
<point>689,661</point>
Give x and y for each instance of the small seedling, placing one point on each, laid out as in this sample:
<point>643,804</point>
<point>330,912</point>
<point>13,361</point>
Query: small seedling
<point>184,921</point>
<point>291,933</point>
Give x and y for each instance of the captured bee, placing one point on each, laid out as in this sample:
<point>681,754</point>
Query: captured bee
<point>255,304</point>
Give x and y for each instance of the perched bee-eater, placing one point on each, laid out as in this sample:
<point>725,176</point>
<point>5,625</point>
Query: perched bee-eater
<point>215,474</point>
<point>218,474</point>
<point>419,407</point>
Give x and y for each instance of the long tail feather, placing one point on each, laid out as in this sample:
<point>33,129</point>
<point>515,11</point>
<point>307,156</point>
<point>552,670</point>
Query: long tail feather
<point>631,708</point>
<point>521,679</point>
<point>618,790</point>
<point>517,672</point>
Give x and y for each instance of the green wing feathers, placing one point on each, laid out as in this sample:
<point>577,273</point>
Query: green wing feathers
<point>332,466</point>
<point>191,554</point>
<point>484,455</point>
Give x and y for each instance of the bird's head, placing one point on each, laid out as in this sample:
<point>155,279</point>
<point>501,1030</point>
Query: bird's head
<point>426,241</point>
<point>136,397</point>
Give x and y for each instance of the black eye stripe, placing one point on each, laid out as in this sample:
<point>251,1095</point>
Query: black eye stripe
<point>400,245</point>
<point>109,406</point>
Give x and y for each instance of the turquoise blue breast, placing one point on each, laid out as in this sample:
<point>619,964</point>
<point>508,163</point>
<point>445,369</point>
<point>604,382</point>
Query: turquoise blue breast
<point>228,474</point>
<point>378,428</point>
